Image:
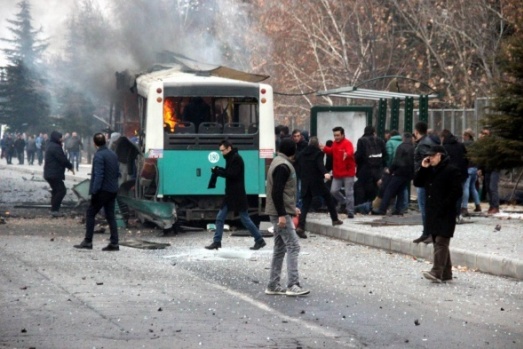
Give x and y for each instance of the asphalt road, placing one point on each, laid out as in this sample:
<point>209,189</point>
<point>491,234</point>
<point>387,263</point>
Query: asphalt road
<point>54,296</point>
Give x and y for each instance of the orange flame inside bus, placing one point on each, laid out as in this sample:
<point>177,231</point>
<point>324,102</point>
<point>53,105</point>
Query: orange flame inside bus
<point>169,114</point>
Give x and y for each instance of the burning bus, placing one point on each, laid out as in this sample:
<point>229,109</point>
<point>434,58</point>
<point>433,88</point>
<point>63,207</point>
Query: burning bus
<point>181,112</point>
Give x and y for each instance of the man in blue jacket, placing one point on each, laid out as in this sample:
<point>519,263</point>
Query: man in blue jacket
<point>103,189</point>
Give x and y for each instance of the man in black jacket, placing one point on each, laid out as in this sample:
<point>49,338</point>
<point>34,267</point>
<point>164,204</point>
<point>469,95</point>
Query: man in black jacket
<point>103,189</point>
<point>370,159</point>
<point>423,145</point>
<point>235,196</point>
<point>442,182</point>
<point>54,168</point>
<point>310,168</point>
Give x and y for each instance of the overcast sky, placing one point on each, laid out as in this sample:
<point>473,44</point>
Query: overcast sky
<point>51,15</point>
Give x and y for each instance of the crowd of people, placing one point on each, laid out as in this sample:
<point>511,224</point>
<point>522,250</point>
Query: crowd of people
<point>22,146</point>
<point>375,179</point>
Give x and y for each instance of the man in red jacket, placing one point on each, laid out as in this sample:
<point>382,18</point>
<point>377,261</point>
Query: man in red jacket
<point>343,169</point>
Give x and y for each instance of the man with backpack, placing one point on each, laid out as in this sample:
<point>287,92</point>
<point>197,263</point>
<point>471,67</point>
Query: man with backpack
<point>370,160</point>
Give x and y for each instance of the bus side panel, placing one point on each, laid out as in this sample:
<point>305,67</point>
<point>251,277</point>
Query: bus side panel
<point>187,172</point>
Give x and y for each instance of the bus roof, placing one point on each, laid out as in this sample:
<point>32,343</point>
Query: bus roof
<point>175,74</point>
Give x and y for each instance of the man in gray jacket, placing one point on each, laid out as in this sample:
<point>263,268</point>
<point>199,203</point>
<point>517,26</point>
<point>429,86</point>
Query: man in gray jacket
<point>281,206</point>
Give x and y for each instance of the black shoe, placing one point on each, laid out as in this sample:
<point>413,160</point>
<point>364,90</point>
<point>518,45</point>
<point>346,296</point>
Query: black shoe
<point>56,214</point>
<point>111,247</point>
<point>350,215</point>
<point>214,246</point>
<point>301,233</point>
<point>85,244</point>
<point>422,238</point>
<point>337,222</point>
<point>376,213</point>
<point>258,245</point>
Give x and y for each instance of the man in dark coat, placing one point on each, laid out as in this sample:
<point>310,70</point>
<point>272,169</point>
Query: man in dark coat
<point>312,172</point>
<point>442,183</point>
<point>54,168</point>
<point>370,157</point>
<point>423,144</point>
<point>235,196</point>
<point>103,189</point>
<point>20,149</point>
<point>458,157</point>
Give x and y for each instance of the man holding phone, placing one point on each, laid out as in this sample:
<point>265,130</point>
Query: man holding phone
<point>442,183</point>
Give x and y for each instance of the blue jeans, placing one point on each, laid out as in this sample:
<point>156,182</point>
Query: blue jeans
<point>492,181</point>
<point>245,219</point>
<point>421,204</point>
<point>470,187</point>
<point>74,158</point>
<point>285,242</point>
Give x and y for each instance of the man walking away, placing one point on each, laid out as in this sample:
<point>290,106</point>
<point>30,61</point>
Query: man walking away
<point>75,145</point>
<point>54,168</point>
<point>103,189</point>
<point>31,150</point>
<point>281,206</point>
<point>235,196</point>
<point>343,169</point>
<point>313,173</point>
<point>442,182</point>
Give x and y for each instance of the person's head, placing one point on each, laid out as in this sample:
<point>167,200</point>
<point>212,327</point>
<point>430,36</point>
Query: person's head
<point>369,130</point>
<point>99,139</point>
<point>74,134</point>
<point>296,136</point>
<point>484,133</point>
<point>338,133</point>
<point>445,134</point>
<point>436,154</point>
<point>313,141</point>
<point>407,137</point>
<point>420,129</point>
<point>287,147</point>
<point>284,131</point>
<point>468,135</point>
<point>387,134</point>
<point>394,133</point>
<point>225,147</point>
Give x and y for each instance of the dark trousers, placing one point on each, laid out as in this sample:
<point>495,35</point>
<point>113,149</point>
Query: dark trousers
<point>442,267</point>
<point>20,155</point>
<point>30,157</point>
<point>57,193</point>
<point>365,189</point>
<point>306,205</point>
<point>107,201</point>
<point>395,187</point>
<point>40,156</point>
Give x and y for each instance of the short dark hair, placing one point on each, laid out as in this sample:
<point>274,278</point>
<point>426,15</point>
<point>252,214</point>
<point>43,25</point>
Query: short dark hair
<point>340,129</point>
<point>394,133</point>
<point>446,134</point>
<point>287,147</point>
<point>296,131</point>
<point>314,141</point>
<point>99,139</point>
<point>226,143</point>
<point>421,127</point>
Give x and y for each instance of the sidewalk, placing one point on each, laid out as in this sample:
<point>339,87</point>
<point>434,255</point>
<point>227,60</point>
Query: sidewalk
<point>490,244</point>
<point>37,170</point>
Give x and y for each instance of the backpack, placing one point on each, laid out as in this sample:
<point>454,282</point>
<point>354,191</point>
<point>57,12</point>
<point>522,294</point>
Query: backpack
<point>373,152</point>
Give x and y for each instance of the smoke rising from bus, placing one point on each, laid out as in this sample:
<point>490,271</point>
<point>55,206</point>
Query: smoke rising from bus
<point>114,35</point>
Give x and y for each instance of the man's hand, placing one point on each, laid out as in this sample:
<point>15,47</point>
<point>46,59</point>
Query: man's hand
<point>298,211</point>
<point>327,176</point>
<point>282,222</point>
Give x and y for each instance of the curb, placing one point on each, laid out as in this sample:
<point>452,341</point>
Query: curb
<point>494,265</point>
